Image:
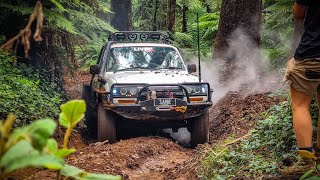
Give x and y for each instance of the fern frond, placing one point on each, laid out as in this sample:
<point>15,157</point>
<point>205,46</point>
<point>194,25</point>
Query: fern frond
<point>55,18</point>
<point>58,4</point>
<point>87,21</point>
<point>23,10</point>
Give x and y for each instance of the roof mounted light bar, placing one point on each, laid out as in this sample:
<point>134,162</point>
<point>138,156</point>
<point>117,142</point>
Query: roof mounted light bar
<point>139,36</point>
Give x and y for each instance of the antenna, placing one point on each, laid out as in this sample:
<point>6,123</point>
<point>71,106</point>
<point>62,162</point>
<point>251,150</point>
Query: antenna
<point>198,46</point>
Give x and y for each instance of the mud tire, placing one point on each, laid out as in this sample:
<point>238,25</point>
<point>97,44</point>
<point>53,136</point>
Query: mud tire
<point>91,111</point>
<point>200,129</point>
<point>106,125</point>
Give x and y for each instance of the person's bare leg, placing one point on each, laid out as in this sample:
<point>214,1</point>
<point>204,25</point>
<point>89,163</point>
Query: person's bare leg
<point>302,122</point>
<point>318,102</point>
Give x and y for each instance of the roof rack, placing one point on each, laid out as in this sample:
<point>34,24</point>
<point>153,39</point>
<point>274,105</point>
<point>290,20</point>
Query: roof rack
<point>140,36</point>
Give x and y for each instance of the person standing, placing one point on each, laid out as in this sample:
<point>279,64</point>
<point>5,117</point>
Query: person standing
<point>303,75</point>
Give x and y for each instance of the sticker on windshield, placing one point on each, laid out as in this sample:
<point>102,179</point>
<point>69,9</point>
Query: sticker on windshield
<point>145,49</point>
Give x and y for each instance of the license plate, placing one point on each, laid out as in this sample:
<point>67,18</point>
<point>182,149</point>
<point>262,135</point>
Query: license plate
<point>164,102</point>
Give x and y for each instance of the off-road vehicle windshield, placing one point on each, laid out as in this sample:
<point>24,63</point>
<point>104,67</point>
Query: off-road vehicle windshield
<point>144,57</point>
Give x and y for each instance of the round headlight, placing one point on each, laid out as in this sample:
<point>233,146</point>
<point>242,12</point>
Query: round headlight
<point>123,91</point>
<point>196,89</point>
<point>133,91</point>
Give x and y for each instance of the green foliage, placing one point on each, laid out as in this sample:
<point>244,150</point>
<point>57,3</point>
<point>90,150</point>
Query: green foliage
<point>23,155</point>
<point>277,31</point>
<point>31,146</point>
<point>271,142</point>
<point>36,133</point>
<point>76,173</point>
<point>72,112</point>
<point>23,92</point>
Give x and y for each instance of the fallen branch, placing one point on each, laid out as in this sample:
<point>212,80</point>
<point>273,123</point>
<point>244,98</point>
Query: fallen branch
<point>25,34</point>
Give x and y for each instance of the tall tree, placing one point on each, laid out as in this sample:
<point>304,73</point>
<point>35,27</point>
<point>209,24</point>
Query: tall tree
<point>171,14</point>
<point>122,18</point>
<point>154,23</point>
<point>184,18</point>
<point>237,14</point>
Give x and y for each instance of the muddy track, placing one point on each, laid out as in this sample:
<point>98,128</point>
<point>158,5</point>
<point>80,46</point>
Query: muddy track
<point>157,157</point>
<point>137,158</point>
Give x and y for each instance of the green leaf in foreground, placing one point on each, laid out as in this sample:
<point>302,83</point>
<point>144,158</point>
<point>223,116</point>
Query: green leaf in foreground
<point>36,133</point>
<point>74,172</point>
<point>23,155</point>
<point>52,147</point>
<point>72,112</point>
<point>307,174</point>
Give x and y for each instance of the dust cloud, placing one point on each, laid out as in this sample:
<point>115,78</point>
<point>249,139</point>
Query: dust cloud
<point>251,73</point>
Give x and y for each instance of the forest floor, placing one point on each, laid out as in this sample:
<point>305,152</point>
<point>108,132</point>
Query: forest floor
<point>159,156</point>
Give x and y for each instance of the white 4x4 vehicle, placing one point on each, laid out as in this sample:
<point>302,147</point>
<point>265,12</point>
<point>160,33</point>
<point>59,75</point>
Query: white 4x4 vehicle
<point>145,81</point>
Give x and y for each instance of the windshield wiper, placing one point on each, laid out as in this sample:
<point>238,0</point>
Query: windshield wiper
<point>131,69</point>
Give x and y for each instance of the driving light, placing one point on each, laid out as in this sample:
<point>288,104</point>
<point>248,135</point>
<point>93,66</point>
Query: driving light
<point>123,91</point>
<point>196,90</point>
<point>133,91</point>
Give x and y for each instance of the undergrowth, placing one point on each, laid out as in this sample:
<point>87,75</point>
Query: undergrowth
<point>267,151</point>
<point>25,93</point>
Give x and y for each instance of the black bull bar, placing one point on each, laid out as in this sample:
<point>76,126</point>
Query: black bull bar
<point>147,110</point>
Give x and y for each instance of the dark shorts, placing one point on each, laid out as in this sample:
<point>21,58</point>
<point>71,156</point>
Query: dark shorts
<point>304,76</point>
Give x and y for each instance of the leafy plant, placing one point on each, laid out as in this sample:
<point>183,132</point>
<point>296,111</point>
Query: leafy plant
<point>25,93</point>
<point>31,145</point>
<point>270,143</point>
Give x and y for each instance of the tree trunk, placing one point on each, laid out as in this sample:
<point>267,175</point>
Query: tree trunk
<point>155,15</point>
<point>122,18</point>
<point>171,15</point>
<point>184,18</point>
<point>238,36</point>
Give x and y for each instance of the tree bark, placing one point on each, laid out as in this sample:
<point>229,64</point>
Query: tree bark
<point>184,18</point>
<point>122,18</point>
<point>237,42</point>
<point>171,15</point>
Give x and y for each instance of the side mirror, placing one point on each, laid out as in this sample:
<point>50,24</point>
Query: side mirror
<point>94,69</point>
<point>192,68</point>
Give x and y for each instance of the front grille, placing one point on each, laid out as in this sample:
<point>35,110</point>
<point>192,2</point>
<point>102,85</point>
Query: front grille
<point>163,92</point>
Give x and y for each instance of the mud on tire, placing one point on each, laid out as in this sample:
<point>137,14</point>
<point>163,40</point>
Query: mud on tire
<point>91,112</point>
<point>106,125</point>
<point>200,129</point>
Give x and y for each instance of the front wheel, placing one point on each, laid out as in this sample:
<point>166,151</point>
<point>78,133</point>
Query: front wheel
<point>106,125</point>
<point>200,129</point>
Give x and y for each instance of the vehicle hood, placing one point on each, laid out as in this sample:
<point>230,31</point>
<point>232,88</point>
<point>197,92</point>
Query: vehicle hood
<point>153,77</point>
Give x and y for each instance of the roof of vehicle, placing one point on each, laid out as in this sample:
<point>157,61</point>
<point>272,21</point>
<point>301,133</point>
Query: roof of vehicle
<point>119,44</point>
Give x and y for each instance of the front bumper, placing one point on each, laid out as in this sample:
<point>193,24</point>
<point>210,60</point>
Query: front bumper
<point>147,111</point>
